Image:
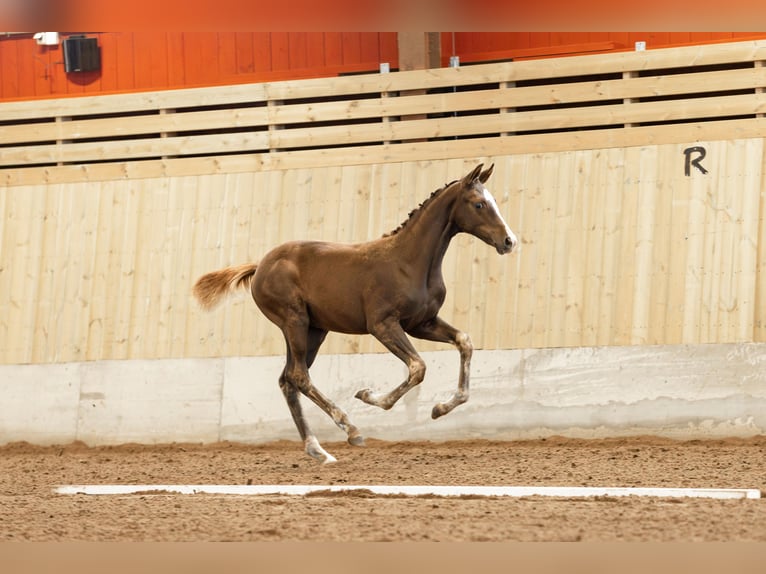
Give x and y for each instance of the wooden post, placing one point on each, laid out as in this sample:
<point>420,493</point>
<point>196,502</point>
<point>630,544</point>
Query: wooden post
<point>503,111</point>
<point>60,143</point>
<point>272,106</point>
<point>418,51</point>
<point>165,135</point>
<point>628,101</point>
<point>760,64</point>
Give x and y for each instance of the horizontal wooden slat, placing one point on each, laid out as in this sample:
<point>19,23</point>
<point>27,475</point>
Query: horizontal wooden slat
<point>236,118</point>
<point>369,155</point>
<point>557,119</point>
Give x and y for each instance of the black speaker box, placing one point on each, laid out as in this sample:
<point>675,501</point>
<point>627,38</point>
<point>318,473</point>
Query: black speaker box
<point>81,54</point>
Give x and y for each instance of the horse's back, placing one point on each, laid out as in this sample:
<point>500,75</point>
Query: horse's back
<point>325,279</point>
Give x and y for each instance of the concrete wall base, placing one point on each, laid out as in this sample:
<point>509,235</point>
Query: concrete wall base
<point>684,391</point>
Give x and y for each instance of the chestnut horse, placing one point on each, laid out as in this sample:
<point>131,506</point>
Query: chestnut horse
<point>389,287</point>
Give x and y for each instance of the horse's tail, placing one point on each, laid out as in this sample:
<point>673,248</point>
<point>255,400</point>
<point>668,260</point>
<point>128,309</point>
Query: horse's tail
<point>211,287</point>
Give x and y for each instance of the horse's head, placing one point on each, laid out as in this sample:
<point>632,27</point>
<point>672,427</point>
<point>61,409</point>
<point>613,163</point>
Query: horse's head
<point>476,212</point>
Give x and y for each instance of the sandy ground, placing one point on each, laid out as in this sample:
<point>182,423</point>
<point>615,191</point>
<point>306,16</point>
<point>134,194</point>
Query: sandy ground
<point>29,510</point>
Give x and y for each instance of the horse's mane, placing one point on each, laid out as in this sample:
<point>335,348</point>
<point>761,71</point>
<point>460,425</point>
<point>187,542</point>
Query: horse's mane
<point>419,208</point>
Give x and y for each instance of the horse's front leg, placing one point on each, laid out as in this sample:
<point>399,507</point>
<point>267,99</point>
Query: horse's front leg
<point>438,330</point>
<point>389,332</point>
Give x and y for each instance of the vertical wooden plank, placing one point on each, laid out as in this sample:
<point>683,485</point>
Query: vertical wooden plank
<point>625,275</point>
<point>540,286</point>
<point>70,261</point>
<point>677,185</point>
<point>580,266</point>
<point>244,52</point>
<point>88,200</point>
<point>33,79</point>
<point>280,51</point>
<point>128,205</point>
<point>661,240</point>
<point>730,262</point>
<point>108,43</point>
<point>352,48</point>
<point>181,199</point>
<point>192,58</point>
<point>147,51</point>
<point>647,221</point>
<point>612,238</point>
<point>227,56</point>
<point>21,240</point>
<point>501,287</point>
<point>297,50</point>
<point>135,271</point>
<point>125,62</point>
<point>315,50</point>
<point>530,213</point>
<point>99,314</point>
<point>695,233</point>
<point>560,229</point>
<point>46,279</point>
<point>262,47</point>
<point>150,269</point>
<point>360,207</point>
<point>706,228</point>
<point>333,48</point>
<point>369,48</point>
<point>210,62</point>
<point>176,56</point>
<point>593,231</point>
<point>751,168</point>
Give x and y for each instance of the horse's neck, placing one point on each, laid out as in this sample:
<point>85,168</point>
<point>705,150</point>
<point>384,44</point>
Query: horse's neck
<point>424,240</point>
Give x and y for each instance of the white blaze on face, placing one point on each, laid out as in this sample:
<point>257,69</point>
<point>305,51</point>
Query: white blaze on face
<point>489,198</point>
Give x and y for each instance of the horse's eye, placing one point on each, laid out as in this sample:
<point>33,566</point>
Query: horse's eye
<point>479,205</point>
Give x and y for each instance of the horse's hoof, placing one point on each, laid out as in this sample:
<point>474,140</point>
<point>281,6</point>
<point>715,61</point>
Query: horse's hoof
<point>315,451</point>
<point>439,410</point>
<point>356,440</point>
<point>367,396</point>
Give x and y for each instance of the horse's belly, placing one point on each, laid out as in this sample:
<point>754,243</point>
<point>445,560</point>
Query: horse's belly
<point>339,318</point>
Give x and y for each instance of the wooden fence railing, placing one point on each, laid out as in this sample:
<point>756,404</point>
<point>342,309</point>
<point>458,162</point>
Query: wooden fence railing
<point>608,100</point>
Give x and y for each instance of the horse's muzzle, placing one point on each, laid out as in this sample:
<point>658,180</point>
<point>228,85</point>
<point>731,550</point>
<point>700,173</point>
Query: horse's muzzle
<point>508,245</point>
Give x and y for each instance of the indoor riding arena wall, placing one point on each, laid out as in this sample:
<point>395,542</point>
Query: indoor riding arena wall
<point>634,305</point>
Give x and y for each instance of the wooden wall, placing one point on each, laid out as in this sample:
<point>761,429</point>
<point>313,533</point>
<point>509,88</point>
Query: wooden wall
<point>112,206</point>
<point>618,247</point>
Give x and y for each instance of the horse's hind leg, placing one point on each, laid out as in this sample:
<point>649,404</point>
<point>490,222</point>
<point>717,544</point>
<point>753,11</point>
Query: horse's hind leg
<point>303,344</point>
<point>311,444</point>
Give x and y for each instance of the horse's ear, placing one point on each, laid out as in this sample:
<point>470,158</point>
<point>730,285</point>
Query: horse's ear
<point>471,177</point>
<point>484,176</point>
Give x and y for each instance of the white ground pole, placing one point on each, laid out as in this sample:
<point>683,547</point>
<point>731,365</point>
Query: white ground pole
<point>303,489</point>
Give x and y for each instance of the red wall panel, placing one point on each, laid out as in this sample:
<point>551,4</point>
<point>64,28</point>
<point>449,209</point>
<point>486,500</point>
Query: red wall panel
<point>473,47</point>
<point>141,61</point>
